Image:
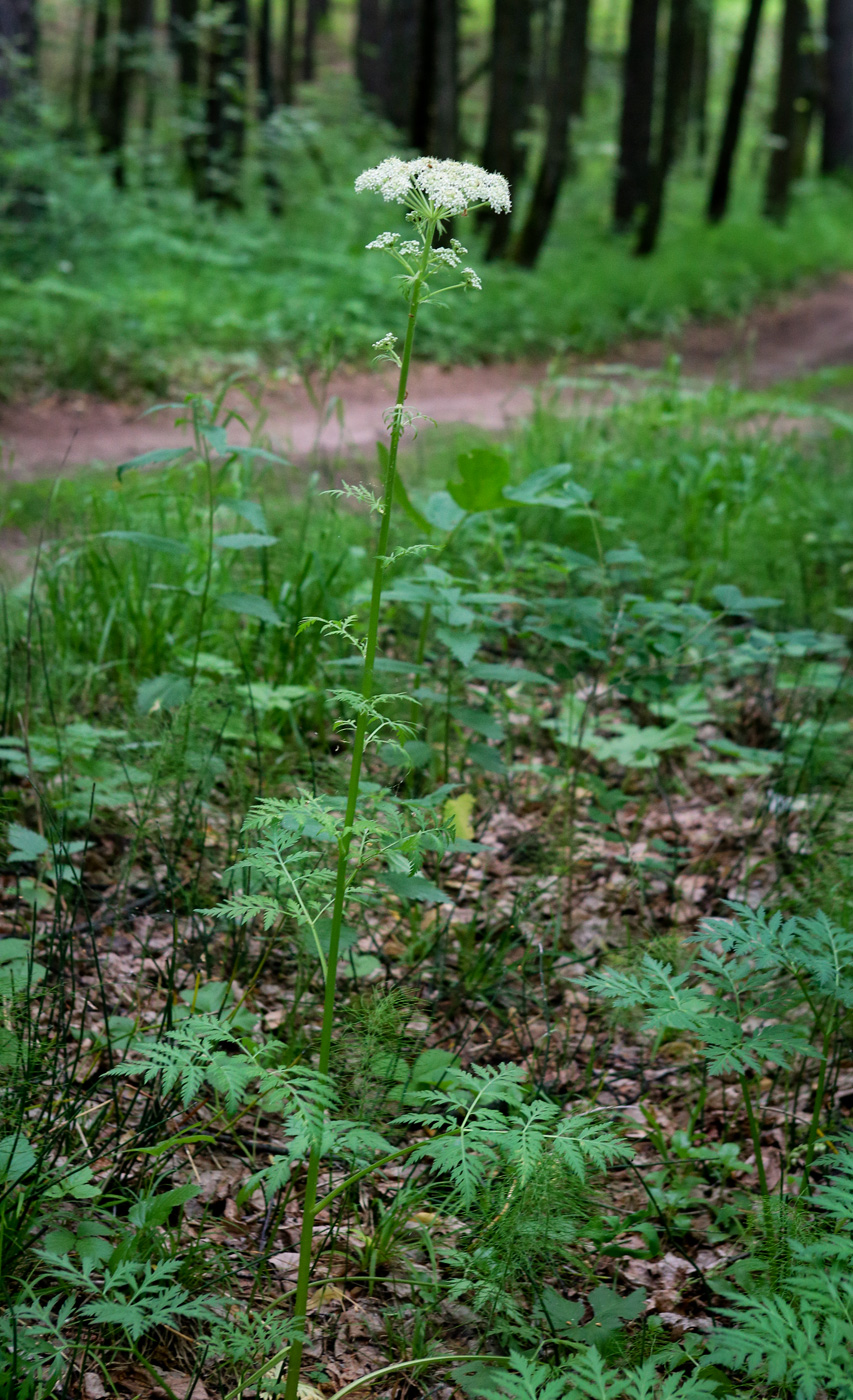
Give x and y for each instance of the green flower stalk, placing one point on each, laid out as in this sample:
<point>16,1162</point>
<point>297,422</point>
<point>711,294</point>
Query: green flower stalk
<point>433,191</point>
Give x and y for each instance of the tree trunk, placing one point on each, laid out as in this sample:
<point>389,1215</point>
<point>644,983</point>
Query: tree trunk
<point>700,75</point>
<point>401,62</point>
<point>781,168</point>
<point>226,107</point>
<point>508,94</point>
<point>638,100</point>
<point>678,55</point>
<point>183,37</point>
<point>99,77</point>
<point>18,41</point>
<point>133,44</point>
<point>718,198</point>
<point>368,47</point>
<point>578,57</point>
<point>78,68</point>
<point>315,12</point>
<point>265,60</point>
<point>444,114</point>
<point>288,57</point>
<point>837,154</point>
<point>555,156</point>
<point>810,95</point>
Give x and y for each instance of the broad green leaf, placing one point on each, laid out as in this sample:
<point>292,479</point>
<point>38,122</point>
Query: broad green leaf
<point>415,887</point>
<point>16,1157</point>
<point>442,511</point>
<point>484,473</point>
<point>245,541</point>
<point>159,543</point>
<point>26,844</point>
<point>509,675</point>
<point>164,692</point>
<point>147,459</point>
<point>458,810</point>
<point>250,605</point>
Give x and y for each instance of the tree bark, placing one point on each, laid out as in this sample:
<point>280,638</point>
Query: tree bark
<point>368,47</point>
<point>183,37</point>
<point>638,100</point>
<point>99,76</point>
<point>18,41</point>
<point>678,55</point>
<point>508,105</point>
<point>315,12</point>
<point>265,61</point>
<point>444,114</point>
<point>837,153</point>
<point>578,57</point>
<point>781,168</point>
<point>555,156</point>
<point>226,107</point>
<point>400,63</point>
<point>718,197</point>
<point>700,74</point>
<point>288,58</point>
<point>133,44</point>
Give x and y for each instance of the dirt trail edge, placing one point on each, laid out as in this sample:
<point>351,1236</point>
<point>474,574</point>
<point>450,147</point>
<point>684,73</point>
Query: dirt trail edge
<point>803,333</point>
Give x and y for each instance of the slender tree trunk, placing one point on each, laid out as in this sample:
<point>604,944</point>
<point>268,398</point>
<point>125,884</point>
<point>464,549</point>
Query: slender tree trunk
<point>401,62</point>
<point>781,168</point>
<point>638,101</point>
<point>837,153</point>
<point>99,77</point>
<point>578,57</point>
<point>226,107</point>
<point>700,74</point>
<point>555,156</point>
<point>78,70</point>
<point>184,39</point>
<point>18,41</point>
<point>678,55</point>
<point>264,49</point>
<point>132,55</point>
<point>288,58</point>
<point>810,94</point>
<point>718,197</point>
<point>368,47</point>
<point>315,13</point>
<point>508,105</point>
<point>444,115</point>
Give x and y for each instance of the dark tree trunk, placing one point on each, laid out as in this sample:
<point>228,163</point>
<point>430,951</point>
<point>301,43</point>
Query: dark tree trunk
<point>18,41</point>
<point>315,13</point>
<point>184,39</point>
<point>400,61</point>
<point>718,198</point>
<point>555,156</point>
<point>638,102</point>
<point>368,47</point>
<point>288,54</point>
<point>508,107</point>
<point>78,69</point>
<point>783,129</point>
<point>810,94</point>
<point>226,107</point>
<point>837,154</point>
<point>100,75</point>
<point>700,75</point>
<point>444,114</point>
<point>678,54</point>
<point>578,57</point>
<point>266,78</point>
<point>133,44</point>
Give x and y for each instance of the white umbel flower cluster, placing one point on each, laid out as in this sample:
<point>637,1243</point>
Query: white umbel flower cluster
<point>448,186</point>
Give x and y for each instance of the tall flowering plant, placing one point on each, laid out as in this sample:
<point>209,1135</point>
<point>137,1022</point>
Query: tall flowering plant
<point>433,192</point>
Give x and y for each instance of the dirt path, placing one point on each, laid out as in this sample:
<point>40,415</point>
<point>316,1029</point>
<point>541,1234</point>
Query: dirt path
<point>803,333</point>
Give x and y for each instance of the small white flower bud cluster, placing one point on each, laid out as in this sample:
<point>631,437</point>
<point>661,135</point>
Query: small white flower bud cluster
<point>470,278</point>
<point>386,343</point>
<point>411,248</point>
<point>384,240</point>
<point>448,186</point>
<point>446,255</point>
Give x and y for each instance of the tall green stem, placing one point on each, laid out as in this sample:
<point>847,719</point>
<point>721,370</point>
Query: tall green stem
<point>306,1243</point>
<point>820,1093</point>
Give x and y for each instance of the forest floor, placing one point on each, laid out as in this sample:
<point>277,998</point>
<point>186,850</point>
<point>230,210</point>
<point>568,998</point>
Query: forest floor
<point>796,335</point>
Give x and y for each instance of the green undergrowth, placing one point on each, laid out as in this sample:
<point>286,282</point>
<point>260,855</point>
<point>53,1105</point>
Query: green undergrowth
<point>614,659</point>
<point>126,293</point>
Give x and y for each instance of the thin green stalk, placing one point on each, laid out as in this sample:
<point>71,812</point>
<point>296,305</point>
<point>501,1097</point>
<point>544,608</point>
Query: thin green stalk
<point>755,1135</point>
<point>306,1243</point>
<point>811,1141</point>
